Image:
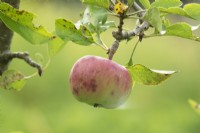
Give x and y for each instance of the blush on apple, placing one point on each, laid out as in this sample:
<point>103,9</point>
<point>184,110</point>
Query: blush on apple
<point>100,82</point>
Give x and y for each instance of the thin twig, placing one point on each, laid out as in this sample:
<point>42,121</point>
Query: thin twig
<point>138,8</point>
<point>7,57</point>
<point>141,28</point>
<point>136,13</point>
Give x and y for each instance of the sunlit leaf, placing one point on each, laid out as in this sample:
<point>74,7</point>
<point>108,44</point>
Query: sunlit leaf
<point>145,3</point>
<point>180,29</point>
<point>153,17</point>
<point>189,10</point>
<point>55,45</point>
<point>174,10</point>
<point>21,22</point>
<point>166,3</point>
<point>193,10</point>
<point>101,3</point>
<point>144,75</point>
<point>194,105</point>
<point>68,32</point>
<point>12,79</point>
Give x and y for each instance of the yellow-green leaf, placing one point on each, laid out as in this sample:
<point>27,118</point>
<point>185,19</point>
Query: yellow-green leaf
<point>153,17</point>
<point>166,3</point>
<point>68,32</point>
<point>55,45</point>
<point>180,29</point>
<point>145,3</point>
<point>146,76</point>
<point>21,22</point>
<point>193,10</point>
<point>101,3</point>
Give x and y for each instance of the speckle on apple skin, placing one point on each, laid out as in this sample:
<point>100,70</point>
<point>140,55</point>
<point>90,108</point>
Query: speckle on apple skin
<point>100,82</point>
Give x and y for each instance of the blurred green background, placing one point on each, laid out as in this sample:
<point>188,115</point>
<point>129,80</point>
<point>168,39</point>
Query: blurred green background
<point>46,105</point>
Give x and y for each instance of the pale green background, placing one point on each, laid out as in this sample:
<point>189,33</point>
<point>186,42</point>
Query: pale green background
<point>46,105</point>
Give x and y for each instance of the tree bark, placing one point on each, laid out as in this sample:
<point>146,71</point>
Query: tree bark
<point>6,38</point>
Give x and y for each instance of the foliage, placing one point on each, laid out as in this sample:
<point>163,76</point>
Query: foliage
<point>94,21</point>
<point>21,22</point>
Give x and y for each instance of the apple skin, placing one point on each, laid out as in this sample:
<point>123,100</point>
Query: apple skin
<point>100,82</point>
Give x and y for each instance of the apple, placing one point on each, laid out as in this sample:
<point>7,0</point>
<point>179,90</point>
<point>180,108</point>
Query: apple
<point>100,82</point>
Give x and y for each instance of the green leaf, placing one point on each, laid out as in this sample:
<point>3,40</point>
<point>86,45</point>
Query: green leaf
<point>130,2</point>
<point>55,45</point>
<point>12,79</point>
<point>194,105</point>
<point>145,3</point>
<point>189,10</point>
<point>193,10</point>
<point>95,19</point>
<point>180,29</point>
<point>21,22</point>
<point>153,17</point>
<point>146,76</point>
<point>95,15</point>
<point>174,10</point>
<point>100,3</point>
<point>107,25</point>
<point>68,32</point>
<point>166,3</point>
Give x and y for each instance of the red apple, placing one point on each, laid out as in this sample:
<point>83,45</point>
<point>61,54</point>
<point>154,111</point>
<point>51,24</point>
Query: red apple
<point>100,82</point>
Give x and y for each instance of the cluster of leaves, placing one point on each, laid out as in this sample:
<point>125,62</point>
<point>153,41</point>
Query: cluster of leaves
<point>94,21</point>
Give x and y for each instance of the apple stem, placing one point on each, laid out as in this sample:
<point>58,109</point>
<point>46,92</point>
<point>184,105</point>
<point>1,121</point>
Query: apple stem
<point>130,63</point>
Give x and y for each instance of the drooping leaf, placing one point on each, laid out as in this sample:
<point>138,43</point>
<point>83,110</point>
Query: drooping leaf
<point>180,29</point>
<point>166,3</point>
<point>193,10</point>
<point>145,3</point>
<point>146,76</point>
<point>55,45</point>
<point>67,31</point>
<point>21,22</point>
<point>100,3</point>
<point>12,79</point>
<point>194,105</point>
<point>153,17</point>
